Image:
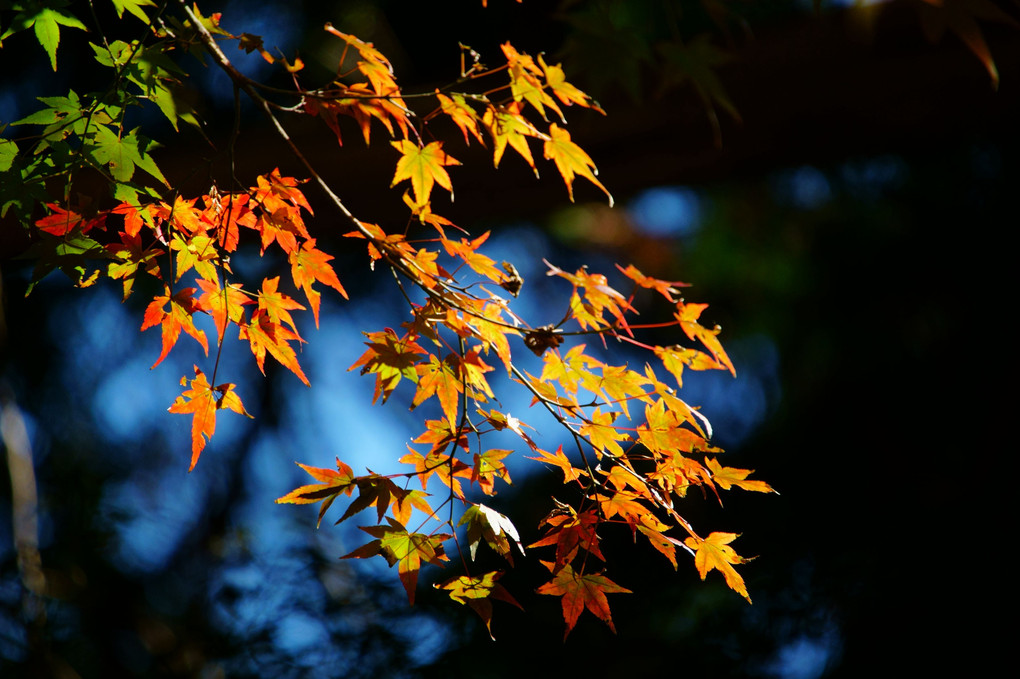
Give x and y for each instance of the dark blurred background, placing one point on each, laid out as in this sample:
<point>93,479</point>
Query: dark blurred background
<point>834,183</point>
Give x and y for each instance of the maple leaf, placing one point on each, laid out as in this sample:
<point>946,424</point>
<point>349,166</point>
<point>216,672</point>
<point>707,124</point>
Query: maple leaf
<point>280,220</point>
<point>266,336</point>
<point>182,306</point>
<point>564,91</point>
<point>475,591</point>
<point>480,263</point>
<point>508,126</point>
<point>447,467</point>
<point>558,459</point>
<point>688,315</point>
<point>308,265</point>
<point>367,50</point>
<point>135,217</point>
<point>424,167</point>
<point>714,552</point>
<point>224,304</point>
<point>525,84</point>
<point>621,385</point>
<point>570,531</point>
<point>61,222</point>
<point>571,160</point>
<point>182,216</point>
<point>362,105</point>
<point>202,401</point>
<point>130,259</point>
<point>602,435</point>
<point>390,358</point>
<point>491,329</point>
<point>664,544</point>
<point>377,490</point>
<point>274,191</point>
<point>438,378</point>
<point>226,214</point>
<point>46,20</point>
<point>675,358</point>
<point>196,250</point>
<point>728,477</point>
<point>276,304</point>
<point>332,484</point>
<point>495,528</point>
<point>462,115</point>
<point>425,215</point>
<point>406,500</point>
<point>501,421</point>
<point>667,289</point>
<point>625,505</point>
<point>488,466</point>
<point>408,550</point>
<point>599,297</point>
<point>580,591</point>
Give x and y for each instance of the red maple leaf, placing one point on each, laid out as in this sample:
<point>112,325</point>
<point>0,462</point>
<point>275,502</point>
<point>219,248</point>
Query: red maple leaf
<point>580,591</point>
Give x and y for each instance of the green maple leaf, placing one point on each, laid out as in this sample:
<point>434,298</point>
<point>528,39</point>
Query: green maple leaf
<point>123,153</point>
<point>133,6</point>
<point>46,19</point>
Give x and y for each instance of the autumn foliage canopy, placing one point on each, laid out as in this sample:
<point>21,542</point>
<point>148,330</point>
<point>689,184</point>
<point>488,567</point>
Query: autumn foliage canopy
<point>637,447</point>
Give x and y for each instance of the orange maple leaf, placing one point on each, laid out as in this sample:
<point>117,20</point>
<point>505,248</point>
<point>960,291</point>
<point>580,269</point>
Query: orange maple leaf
<point>182,306</point>
<point>390,358</point>
<point>558,459</point>
<point>308,265</point>
<point>667,289</point>
<point>525,82</point>
<point>276,304</point>
<point>224,304</point>
<point>202,401</point>
<point>580,591</point>
<point>462,115</point>
<point>570,531</point>
<point>602,435</point>
<point>714,552</point>
<point>265,335</point>
<point>438,378</point>
<point>468,251</point>
<point>332,484</point>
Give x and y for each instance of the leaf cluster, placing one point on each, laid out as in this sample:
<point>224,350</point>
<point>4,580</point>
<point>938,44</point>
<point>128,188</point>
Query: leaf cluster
<point>638,447</point>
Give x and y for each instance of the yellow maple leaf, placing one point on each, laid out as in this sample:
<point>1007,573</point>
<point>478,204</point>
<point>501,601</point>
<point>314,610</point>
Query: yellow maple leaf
<point>728,477</point>
<point>571,159</point>
<point>424,166</point>
<point>715,552</point>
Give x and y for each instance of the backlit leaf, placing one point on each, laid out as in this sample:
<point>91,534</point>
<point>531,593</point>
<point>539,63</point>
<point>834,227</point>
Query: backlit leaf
<point>581,591</point>
<point>571,160</point>
<point>714,552</point>
<point>202,401</point>
<point>424,167</point>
